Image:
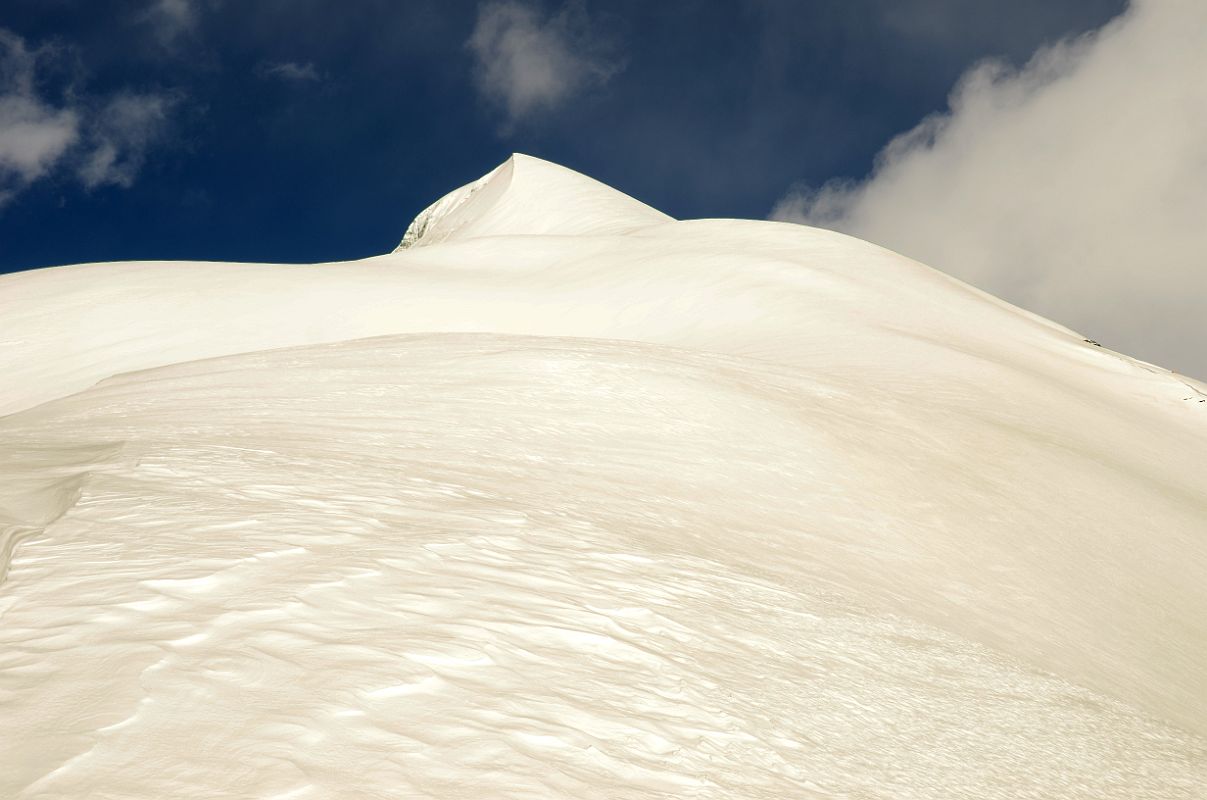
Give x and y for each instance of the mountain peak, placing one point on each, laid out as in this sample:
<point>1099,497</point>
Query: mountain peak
<point>529,196</point>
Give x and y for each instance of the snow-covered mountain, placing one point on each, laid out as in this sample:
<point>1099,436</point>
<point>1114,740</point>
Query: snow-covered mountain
<point>565,498</point>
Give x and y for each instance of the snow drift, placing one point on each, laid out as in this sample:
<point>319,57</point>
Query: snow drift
<point>567,498</point>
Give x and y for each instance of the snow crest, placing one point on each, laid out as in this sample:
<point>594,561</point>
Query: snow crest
<point>528,196</point>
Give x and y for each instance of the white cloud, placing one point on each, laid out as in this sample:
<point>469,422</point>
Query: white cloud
<point>1075,187</point>
<point>290,71</point>
<point>105,140</point>
<point>527,63</point>
<point>33,134</point>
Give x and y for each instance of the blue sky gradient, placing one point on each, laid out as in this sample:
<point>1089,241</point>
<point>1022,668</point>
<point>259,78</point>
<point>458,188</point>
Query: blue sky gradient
<point>307,131</point>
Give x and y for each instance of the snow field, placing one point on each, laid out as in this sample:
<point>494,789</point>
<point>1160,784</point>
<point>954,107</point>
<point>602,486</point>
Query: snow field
<point>568,499</point>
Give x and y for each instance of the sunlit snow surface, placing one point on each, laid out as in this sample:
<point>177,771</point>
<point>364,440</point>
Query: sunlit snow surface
<point>606,506</point>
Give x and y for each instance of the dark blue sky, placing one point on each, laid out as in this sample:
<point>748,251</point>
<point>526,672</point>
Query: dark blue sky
<point>304,130</point>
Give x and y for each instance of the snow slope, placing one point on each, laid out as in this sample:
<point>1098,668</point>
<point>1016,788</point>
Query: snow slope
<point>566,498</point>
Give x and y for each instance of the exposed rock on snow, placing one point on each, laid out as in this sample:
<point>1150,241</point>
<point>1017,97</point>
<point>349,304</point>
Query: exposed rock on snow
<point>565,498</point>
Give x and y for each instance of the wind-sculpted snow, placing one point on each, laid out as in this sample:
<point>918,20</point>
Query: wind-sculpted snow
<point>677,509</point>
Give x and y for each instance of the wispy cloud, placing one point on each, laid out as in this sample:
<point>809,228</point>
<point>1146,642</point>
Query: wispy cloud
<point>1076,186</point>
<point>120,134</point>
<point>290,71</point>
<point>527,62</point>
<point>169,19</point>
<point>103,140</point>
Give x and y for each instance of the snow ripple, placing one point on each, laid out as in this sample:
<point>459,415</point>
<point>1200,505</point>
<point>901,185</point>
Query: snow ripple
<point>486,566</point>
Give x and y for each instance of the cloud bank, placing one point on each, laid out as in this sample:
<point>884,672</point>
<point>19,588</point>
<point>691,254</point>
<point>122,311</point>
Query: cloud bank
<point>101,140</point>
<point>1075,186</point>
<point>527,63</point>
